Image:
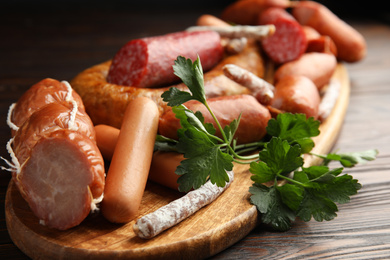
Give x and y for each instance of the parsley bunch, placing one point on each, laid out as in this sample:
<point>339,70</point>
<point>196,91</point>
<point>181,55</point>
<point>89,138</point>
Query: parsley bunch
<point>291,191</point>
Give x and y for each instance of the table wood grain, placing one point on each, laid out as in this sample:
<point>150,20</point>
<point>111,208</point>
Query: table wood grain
<point>59,41</point>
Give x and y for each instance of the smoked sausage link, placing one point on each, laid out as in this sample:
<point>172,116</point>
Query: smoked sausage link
<point>254,118</point>
<point>246,12</point>
<point>296,94</point>
<point>130,164</point>
<point>147,62</point>
<point>289,40</point>
<point>318,67</point>
<point>351,46</point>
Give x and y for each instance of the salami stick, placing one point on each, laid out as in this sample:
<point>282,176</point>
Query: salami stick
<point>329,99</point>
<point>171,214</point>
<point>238,31</point>
<point>261,89</point>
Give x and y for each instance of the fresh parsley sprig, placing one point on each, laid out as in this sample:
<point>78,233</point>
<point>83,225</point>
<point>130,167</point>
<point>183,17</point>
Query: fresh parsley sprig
<point>283,189</point>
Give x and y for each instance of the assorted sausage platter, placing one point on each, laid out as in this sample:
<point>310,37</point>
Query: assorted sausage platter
<point>63,119</point>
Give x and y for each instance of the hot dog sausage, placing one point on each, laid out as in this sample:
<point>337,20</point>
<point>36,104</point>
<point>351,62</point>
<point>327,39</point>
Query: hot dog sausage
<point>318,67</point>
<point>247,11</point>
<point>296,94</point>
<point>254,118</point>
<point>289,40</point>
<point>147,62</point>
<point>351,46</point>
<point>129,168</point>
<point>163,166</point>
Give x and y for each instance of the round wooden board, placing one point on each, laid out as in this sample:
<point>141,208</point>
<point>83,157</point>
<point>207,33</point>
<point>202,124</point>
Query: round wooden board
<point>212,229</point>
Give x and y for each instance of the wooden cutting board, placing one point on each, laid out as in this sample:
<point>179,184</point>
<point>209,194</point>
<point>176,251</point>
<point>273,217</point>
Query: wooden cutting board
<point>212,229</point>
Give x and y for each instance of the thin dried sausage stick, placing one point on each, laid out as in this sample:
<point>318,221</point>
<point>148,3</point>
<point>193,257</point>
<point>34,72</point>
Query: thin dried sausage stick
<point>257,32</point>
<point>261,89</point>
<point>173,213</point>
<point>329,99</point>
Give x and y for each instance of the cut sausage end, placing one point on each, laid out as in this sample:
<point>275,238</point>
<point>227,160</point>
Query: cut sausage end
<point>129,64</point>
<point>55,182</point>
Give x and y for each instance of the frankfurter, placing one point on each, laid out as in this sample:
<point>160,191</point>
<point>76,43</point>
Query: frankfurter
<point>254,117</point>
<point>289,40</point>
<point>57,166</point>
<point>163,165</point>
<point>296,94</point>
<point>105,103</point>
<point>247,11</point>
<point>318,67</point>
<point>351,46</point>
<point>129,168</point>
<point>141,63</point>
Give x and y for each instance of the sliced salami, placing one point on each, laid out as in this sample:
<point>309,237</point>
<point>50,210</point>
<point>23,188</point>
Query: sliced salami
<point>289,40</point>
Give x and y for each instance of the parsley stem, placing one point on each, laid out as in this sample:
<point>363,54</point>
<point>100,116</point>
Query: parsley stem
<point>290,180</point>
<point>216,121</point>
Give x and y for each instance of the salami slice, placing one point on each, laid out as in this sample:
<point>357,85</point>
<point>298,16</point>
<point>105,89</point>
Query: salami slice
<point>289,40</point>
<point>147,62</point>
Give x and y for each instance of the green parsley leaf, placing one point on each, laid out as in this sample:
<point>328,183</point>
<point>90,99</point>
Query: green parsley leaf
<point>281,157</point>
<point>295,128</point>
<point>351,159</point>
<point>316,205</point>
<point>192,76</point>
<point>205,160</point>
<point>269,202</point>
<point>165,144</point>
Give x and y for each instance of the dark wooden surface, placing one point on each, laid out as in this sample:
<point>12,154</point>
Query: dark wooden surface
<point>58,41</point>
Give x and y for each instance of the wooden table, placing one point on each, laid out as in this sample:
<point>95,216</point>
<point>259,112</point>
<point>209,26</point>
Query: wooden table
<point>60,41</point>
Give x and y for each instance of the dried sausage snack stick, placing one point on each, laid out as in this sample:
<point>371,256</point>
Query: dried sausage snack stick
<point>56,164</point>
<point>261,89</point>
<point>106,103</point>
<point>173,213</point>
<point>258,32</point>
